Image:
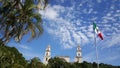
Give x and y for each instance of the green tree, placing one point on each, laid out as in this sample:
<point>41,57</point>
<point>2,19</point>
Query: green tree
<point>20,17</point>
<point>58,63</point>
<point>11,58</point>
<point>94,65</point>
<point>36,63</point>
<point>77,65</point>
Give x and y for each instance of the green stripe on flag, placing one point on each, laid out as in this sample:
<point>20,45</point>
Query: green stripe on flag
<point>94,26</point>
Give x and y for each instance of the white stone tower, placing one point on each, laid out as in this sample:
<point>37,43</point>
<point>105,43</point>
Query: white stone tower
<point>47,55</point>
<point>78,57</point>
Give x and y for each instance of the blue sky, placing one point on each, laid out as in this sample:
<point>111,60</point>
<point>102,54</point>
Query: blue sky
<point>68,23</point>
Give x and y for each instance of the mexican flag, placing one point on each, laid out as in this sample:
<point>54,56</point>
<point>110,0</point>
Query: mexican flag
<point>97,31</point>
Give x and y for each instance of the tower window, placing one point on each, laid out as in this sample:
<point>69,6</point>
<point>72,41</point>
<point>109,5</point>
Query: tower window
<point>46,54</point>
<point>46,59</point>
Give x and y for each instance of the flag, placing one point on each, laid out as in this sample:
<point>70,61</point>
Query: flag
<point>97,31</point>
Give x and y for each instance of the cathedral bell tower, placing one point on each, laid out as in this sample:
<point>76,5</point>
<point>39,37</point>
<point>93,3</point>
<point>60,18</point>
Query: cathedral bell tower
<point>47,55</point>
<point>78,57</point>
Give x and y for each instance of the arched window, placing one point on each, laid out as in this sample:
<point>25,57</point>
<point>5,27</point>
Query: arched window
<point>46,59</point>
<point>46,54</point>
<point>78,54</point>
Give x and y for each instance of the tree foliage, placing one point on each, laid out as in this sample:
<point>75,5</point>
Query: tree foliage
<point>10,57</point>
<point>36,63</point>
<point>61,63</point>
<point>19,17</point>
<point>58,63</point>
<point>92,65</point>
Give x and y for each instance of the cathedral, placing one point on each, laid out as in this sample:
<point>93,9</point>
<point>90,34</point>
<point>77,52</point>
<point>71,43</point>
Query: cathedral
<point>78,57</point>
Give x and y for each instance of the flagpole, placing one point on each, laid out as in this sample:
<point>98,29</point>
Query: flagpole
<point>96,50</point>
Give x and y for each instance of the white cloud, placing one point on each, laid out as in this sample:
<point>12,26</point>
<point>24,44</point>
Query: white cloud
<point>90,28</point>
<point>112,7</point>
<point>109,14</point>
<point>29,55</point>
<point>52,12</point>
<point>109,18</point>
<point>111,41</point>
<point>70,26</point>
<point>99,1</point>
<point>63,27</point>
<point>62,1</point>
<point>27,51</point>
<point>90,57</point>
<point>90,34</point>
<point>67,46</point>
<point>90,10</point>
<point>24,47</point>
<point>110,58</point>
<point>118,11</point>
<point>20,46</point>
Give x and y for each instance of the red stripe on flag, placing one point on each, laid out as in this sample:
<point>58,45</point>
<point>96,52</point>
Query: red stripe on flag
<point>100,35</point>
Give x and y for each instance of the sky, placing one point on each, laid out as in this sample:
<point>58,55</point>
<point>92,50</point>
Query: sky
<point>68,23</point>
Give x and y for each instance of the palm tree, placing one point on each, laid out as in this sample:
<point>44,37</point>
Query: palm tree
<point>20,17</point>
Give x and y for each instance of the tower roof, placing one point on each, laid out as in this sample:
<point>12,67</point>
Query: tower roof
<point>78,46</point>
<point>48,45</point>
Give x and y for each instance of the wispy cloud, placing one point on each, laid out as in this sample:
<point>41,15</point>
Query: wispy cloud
<point>110,58</point>
<point>26,50</point>
<point>52,12</point>
<point>20,46</point>
<point>111,41</point>
<point>24,47</point>
<point>72,25</point>
<point>90,57</point>
<point>99,1</point>
<point>105,56</point>
<point>64,28</point>
<point>29,55</point>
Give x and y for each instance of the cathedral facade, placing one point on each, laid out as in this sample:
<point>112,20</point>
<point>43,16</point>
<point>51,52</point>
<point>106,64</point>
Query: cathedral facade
<point>78,57</point>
